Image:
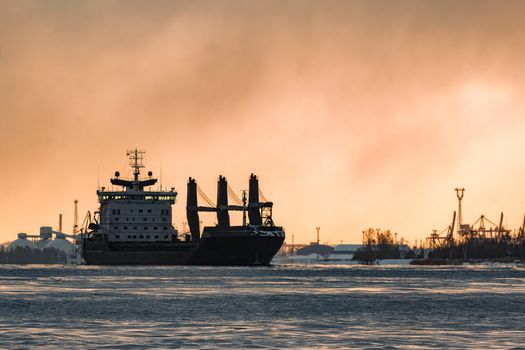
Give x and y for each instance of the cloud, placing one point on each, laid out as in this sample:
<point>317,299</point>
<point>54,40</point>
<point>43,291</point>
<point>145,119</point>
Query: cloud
<point>354,113</point>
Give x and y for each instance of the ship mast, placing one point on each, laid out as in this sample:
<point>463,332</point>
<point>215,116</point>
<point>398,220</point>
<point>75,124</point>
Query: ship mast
<point>135,161</point>
<point>136,158</point>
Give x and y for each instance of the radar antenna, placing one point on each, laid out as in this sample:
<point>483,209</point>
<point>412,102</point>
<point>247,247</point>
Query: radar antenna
<point>136,158</point>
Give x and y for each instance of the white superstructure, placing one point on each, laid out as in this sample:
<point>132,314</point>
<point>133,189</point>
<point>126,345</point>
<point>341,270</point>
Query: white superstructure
<point>135,214</point>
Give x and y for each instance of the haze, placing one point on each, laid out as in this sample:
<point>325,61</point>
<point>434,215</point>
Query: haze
<point>354,114</point>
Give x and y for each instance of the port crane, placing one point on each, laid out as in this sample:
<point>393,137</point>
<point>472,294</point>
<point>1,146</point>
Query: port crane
<point>438,240</point>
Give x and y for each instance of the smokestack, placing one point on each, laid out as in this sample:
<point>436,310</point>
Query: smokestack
<point>192,215</point>
<point>500,228</point>
<point>253,202</point>
<point>59,222</point>
<point>222,201</point>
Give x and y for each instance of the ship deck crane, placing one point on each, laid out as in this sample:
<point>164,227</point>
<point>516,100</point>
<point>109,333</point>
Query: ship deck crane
<point>259,213</point>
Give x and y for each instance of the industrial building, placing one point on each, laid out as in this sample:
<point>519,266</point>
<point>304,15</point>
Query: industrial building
<point>31,248</point>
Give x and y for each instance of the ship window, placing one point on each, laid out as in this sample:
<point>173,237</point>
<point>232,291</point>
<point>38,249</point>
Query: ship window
<point>145,228</point>
<point>166,237</point>
<point>117,236</point>
<point>165,228</point>
<point>131,210</point>
<point>164,219</point>
<point>162,212</point>
<point>149,210</point>
<point>134,227</point>
<point>155,228</point>
<point>145,219</point>
<point>141,236</point>
<point>114,211</point>
<point>116,219</point>
<point>118,211</point>
<point>153,219</point>
<point>133,219</point>
<point>125,227</point>
<point>115,227</point>
<point>147,237</point>
<point>156,236</point>
<point>134,236</point>
<point>129,236</point>
<point>127,219</point>
<point>140,210</point>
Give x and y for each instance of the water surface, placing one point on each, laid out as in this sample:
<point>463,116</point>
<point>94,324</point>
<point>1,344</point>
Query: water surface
<point>283,306</point>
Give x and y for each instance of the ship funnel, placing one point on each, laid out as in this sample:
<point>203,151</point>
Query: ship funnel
<point>192,215</point>
<point>253,202</point>
<point>223,217</point>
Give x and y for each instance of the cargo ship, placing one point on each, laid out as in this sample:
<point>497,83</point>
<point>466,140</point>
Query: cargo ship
<point>133,226</point>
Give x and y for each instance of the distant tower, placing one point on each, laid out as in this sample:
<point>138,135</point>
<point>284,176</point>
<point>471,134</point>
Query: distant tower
<point>459,194</point>
<point>75,218</point>
<point>318,229</point>
<point>59,222</point>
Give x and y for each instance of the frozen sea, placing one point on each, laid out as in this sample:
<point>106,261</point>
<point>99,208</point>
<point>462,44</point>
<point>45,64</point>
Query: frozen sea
<point>282,306</point>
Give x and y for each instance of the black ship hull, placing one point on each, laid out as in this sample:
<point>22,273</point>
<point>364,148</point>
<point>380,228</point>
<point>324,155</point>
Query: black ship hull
<point>241,246</point>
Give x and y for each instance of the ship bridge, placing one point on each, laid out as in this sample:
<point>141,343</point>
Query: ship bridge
<point>134,188</point>
<point>147,196</point>
<point>136,214</point>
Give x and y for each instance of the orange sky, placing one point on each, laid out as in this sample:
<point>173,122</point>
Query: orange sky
<point>353,113</point>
